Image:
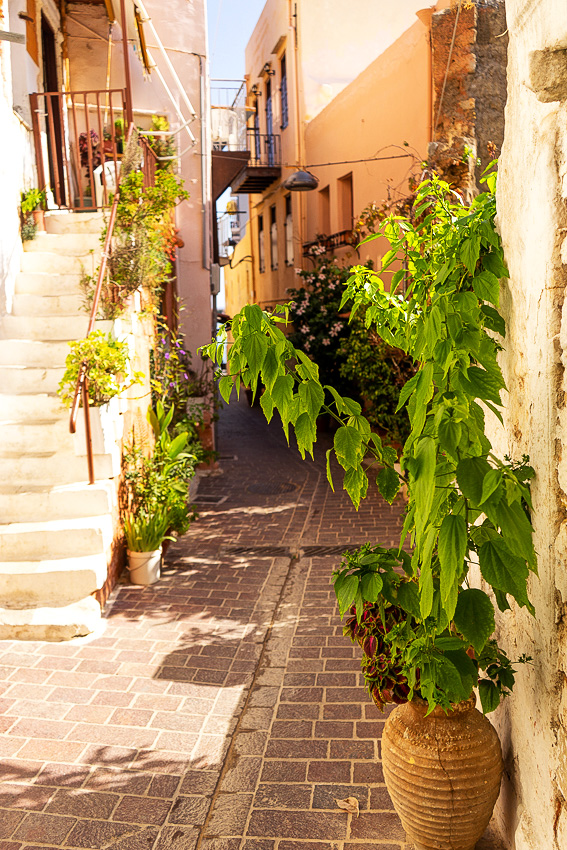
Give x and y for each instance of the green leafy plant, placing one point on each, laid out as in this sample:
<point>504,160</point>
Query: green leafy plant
<point>160,481</point>
<point>162,145</point>
<point>32,199</point>
<point>147,533</point>
<point>435,297</point>
<point>107,360</point>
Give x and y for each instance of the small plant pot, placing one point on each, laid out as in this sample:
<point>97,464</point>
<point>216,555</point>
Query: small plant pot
<point>39,218</point>
<point>107,426</point>
<point>144,567</point>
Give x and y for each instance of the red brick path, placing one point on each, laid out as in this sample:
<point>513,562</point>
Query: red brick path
<point>221,708</point>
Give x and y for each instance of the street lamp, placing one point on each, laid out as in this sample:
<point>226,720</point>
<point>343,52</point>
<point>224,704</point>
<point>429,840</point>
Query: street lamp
<point>301,181</point>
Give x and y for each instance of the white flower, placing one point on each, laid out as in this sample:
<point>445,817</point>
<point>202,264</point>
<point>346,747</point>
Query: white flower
<point>306,345</point>
<point>326,341</point>
<point>304,329</point>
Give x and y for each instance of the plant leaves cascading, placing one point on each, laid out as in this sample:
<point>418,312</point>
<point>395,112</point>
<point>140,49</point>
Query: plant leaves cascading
<point>440,305</point>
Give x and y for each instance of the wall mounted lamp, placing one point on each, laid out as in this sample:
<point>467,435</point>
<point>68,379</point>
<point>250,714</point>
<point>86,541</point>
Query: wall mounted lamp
<point>255,90</point>
<point>267,69</point>
<point>301,181</point>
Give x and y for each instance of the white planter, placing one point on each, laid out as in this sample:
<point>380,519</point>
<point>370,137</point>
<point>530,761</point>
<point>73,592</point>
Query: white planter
<point>107,427</point>
<point>144,567</point>
<point>196,406</point>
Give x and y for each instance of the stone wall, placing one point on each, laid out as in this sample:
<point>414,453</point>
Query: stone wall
<point>532,215</point>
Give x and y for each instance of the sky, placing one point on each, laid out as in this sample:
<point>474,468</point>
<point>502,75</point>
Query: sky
<point>230,24</point>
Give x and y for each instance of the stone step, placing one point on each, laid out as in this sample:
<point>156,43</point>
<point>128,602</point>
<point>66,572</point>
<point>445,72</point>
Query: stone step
<point>41,437</point>
<point>66,244</point>
<point>47,328</point>
<point>33,352</point>
<point>66,222</point>
<point>54,582</point>
<point>52,263</point>
<point>71,501</point>
<point>54,539</point>
<point>26,304</point>
<point>54,469</point>
<point>26,379</point>
<point>40,283</point>
<point>59,623</point>
<point>30,408</point>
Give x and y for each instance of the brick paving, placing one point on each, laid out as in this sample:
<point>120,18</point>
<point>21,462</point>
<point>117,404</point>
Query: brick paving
<point>220,709</point>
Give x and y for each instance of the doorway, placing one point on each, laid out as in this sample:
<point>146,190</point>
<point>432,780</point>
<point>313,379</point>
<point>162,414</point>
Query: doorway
<point>53,117</point>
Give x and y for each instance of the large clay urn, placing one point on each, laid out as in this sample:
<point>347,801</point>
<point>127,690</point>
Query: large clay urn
<point>442,772</point>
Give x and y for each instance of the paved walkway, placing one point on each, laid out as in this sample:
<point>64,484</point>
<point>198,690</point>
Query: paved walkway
<point>220,709</point>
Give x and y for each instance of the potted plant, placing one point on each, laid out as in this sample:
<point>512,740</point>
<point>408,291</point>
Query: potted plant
<point>426,620</point>
<point>108,375</point>
<point>145,534</point>
<point>32,206</point>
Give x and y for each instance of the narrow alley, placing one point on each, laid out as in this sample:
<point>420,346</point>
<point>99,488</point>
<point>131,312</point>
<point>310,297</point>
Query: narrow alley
<point>221,708</point>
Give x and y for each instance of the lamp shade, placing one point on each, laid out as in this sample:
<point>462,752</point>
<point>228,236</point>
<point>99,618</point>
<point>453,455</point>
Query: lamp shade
<point>301,181</point>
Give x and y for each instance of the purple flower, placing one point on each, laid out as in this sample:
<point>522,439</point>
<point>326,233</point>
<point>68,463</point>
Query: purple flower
<point>166,355</point>
<point>186,376</point>
<point>171,384</point>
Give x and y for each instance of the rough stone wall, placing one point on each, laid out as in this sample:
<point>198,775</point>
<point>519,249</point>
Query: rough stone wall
<point>469,89</point>
<point>532,215</point>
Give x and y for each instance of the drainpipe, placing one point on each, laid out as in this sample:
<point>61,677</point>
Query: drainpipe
<point>203,109</point>
<point>294,14</point>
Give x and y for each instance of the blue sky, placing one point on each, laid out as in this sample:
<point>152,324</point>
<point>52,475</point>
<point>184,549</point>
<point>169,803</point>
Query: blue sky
<point>230,25</point>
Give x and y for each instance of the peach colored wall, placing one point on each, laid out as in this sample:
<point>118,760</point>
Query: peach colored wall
<point>385,107</point>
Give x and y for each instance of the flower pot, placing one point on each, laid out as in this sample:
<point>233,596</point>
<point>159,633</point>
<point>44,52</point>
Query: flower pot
<point>107,425</point>
<point>442,772</point>
<point>144,567</point>
<point>39,218</point>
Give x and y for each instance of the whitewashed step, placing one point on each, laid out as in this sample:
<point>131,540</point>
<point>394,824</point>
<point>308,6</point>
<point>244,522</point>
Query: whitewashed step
<point>69,244</point>
<point>65,222</point>
<point>52,263</point>
<point>37,541</point>
<point>48,305</point>
<point>47,328</point>
<point>43,437</point>
<point>60,581</point>
<point>38,283</point>
<point>33,352</point>
<point>31,407</point>
<point>54,624</point>
<point>25,379</point>
<point>55,469</point>
<point>72,501</point>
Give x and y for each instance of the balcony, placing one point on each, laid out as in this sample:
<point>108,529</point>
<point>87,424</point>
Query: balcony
<point>330,243</point>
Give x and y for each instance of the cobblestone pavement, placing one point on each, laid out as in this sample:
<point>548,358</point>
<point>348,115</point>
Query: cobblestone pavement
<point>221,708</point>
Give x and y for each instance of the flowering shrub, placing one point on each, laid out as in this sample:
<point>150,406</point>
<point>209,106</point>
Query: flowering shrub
<point>319,324</point>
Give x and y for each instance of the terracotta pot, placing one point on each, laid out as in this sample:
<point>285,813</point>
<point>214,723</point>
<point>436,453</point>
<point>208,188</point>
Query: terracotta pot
<point>39,218</point>
<point>442,772</point>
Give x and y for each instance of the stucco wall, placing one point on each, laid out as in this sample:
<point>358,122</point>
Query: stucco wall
<point>532,191</point>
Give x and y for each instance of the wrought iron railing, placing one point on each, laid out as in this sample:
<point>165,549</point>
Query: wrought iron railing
<point>148,167</point>
<point>330,243</point>
<point>79,139</point>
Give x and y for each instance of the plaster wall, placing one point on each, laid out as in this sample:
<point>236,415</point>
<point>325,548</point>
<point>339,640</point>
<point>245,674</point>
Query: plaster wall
<point>384,112</point>
<point>182,29</point>
<point>532,191</point>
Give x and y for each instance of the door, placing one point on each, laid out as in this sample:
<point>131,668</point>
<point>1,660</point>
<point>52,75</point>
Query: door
<point>53,118</point>
<point>269,123</point>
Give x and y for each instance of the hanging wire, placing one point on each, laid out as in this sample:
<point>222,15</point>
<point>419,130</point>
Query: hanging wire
<point>448,65</point>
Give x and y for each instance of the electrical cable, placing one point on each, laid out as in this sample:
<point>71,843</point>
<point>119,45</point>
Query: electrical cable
<point>448,65</point>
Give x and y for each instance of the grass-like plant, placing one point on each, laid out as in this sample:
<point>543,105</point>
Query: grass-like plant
<point>146,532</point>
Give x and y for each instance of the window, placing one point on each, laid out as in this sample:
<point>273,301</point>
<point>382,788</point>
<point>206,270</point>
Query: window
<point>273,238</point>
<point>346,210</point>
<point>325,211</point>
<point>283,93</point>
<point>261,246</point>
<point>269,124</point>
<point>288,232</point>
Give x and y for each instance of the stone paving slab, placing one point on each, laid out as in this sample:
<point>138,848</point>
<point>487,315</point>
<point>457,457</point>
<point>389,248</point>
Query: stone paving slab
<point>220,709</point>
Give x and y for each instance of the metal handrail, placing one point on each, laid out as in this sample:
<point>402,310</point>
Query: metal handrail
<point>82,386</point>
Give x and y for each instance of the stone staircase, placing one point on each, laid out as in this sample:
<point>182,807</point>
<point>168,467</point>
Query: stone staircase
<point>55,529</point>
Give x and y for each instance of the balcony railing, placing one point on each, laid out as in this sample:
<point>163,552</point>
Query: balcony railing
<point>329,243</point>
<point>79,139</point>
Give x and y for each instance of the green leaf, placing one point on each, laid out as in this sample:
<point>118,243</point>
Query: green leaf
<point>346,593</point>
<point>388,483</point>
<point>253,315</point>
<point>355,483</point>
<point>470,477</point>
<point>348,442</point>
<point>470,249</point>
<point>493,320</point>
<point>177,445</point>
<point>312,397</point>
<point>371,584</point>
<point>449,679</point>
<point>408,598</point>
<point>492,481</point>
<point>451,549</point>
<point>225,387</point>
<point>305,434</point>
<point>504,571</point>
<point>493,263</point>
<point>466,668</point>
<point>407,390</point>
<point>447,643</point>
<point>474,617</point>
<point>267,405</point>
<point>516,529</point>
<point>271,368</point>
<point>426,590</point>
<point>423,474</point>
<point>449,432</point>
<point>337,399</point>
<point>255,348</point>
<point>282,394</point>
<point>489,695</point>
<point>487,287</point>
<point>329,474</point>
<point>482,384</point>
